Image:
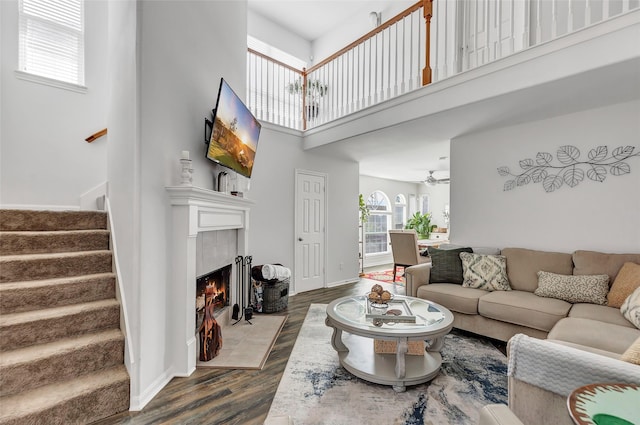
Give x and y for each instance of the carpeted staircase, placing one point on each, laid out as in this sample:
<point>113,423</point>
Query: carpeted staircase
<point>61,348</point>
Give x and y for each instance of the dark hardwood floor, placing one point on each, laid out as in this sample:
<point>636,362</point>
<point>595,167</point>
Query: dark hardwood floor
<point>216,396</point>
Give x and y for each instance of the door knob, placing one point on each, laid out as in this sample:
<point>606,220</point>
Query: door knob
<point>300,239</point>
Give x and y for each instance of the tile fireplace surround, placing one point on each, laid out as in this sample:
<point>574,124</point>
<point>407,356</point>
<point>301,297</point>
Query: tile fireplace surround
<point>195,210</point>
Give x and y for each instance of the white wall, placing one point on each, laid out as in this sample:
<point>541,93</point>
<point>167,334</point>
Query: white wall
<point>123,168</point>
<point>265,30</point>
<point>45,161</point>
<point>592,216</point>
<point>354,27</point>
<point>438,198</point>
<point>272,237</point>
<point>185,48</point>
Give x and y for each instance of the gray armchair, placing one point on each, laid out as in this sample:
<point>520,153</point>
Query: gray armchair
<point>404,244</point>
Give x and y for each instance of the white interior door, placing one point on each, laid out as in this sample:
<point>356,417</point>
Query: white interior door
<point>310,230</point>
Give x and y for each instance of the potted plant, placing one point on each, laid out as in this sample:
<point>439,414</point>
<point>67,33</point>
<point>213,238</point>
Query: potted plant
<point>421,223</point>
<point>314,91</point>
<point>364,210</point>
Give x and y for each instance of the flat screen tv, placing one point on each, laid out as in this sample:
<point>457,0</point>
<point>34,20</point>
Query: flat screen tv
<point>234,133</point>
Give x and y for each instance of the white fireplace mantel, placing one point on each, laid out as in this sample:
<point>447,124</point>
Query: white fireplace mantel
<point>195,210</point>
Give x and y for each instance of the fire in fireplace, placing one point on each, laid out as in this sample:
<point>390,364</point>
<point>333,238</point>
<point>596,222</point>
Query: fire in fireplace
<point>218,282</point>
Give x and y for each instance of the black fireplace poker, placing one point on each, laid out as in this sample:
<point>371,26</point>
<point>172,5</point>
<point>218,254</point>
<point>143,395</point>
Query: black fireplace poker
<point>243,280</point>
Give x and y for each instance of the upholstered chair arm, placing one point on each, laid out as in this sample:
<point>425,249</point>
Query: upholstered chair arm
<point>416,276</point>
<point>543,373</point>
<point>497,414</point>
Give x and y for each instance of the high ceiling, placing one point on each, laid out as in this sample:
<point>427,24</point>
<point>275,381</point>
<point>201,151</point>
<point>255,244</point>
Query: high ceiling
<point>311,19</point>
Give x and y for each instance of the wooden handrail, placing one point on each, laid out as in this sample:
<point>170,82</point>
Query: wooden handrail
<point>96,135</point>
<point>270,59</point>
<point>370,34</point>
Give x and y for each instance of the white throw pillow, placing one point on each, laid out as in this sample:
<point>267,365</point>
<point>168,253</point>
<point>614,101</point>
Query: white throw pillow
<point>591,289</point>
<point>631,308</point>
<point>488,272</point>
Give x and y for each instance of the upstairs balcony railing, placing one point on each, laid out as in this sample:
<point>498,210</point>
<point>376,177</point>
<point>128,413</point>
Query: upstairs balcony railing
<point>396,57</point>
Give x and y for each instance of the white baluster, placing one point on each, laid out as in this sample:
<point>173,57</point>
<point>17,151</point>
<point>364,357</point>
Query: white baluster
<point>605,9</point>
<point>570,17</point>
<point>498,49</point>
<point>587,12</point>
<point>538,22</point>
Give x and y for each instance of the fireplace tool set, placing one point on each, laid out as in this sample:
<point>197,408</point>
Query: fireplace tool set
<point>243,290</point>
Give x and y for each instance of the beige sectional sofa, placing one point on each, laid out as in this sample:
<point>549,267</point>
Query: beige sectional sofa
<point>502,314</point>
<point>573,343</point>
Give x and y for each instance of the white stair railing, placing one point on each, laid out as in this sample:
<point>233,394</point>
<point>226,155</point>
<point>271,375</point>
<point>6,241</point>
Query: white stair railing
<point>396,57</point>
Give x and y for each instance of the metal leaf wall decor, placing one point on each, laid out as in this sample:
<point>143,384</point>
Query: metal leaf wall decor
<point>569,169</point>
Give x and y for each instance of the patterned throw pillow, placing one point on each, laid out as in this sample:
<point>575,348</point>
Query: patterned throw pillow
<point>573,289</point>
<point>627,280</point>
<point>488,272</point>
<point>446,266</point>
<point>631,308</point>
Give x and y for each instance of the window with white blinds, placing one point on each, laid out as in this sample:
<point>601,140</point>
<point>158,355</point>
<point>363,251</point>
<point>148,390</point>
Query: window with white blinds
<point>52,39</point>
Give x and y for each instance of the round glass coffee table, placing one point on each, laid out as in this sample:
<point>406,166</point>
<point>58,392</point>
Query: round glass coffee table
<point>356,323</point>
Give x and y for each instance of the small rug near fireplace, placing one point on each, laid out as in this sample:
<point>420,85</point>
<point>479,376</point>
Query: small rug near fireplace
<point>386,276</point>
<point>246,346</point>
<point>315,389</point>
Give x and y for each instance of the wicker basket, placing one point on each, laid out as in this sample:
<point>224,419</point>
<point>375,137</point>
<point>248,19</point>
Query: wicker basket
<point>415,348</point>
<point>275,296</point>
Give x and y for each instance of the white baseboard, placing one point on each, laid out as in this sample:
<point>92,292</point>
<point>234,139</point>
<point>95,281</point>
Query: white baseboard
<point>138,402</point>
<point>93,199</point>
<point>342,282</point>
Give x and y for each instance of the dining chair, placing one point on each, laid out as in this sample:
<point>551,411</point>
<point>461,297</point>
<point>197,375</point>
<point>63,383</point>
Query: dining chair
<point>404,245</point>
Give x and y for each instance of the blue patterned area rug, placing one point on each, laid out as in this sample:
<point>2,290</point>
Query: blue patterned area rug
<point>315,389</point>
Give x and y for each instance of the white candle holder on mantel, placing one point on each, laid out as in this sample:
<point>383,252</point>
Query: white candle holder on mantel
<point>186,177</point>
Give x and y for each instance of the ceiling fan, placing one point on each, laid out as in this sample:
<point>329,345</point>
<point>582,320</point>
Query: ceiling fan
<point>433,181</point>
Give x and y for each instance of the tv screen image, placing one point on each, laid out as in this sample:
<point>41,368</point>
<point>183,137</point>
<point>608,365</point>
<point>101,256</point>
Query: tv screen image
<point>234,135</point>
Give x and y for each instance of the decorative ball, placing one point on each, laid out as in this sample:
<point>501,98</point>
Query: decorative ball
<point>378,289</point>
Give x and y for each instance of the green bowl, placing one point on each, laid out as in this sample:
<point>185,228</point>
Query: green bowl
<point>604,419</point>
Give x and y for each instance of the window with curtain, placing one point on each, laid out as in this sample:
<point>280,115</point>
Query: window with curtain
<point>400,212</point>
<point>376,229</point>
<point>51,39</point>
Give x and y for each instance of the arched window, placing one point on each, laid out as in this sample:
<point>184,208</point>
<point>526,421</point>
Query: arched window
<point>375,232</point>
<point>400,212</point>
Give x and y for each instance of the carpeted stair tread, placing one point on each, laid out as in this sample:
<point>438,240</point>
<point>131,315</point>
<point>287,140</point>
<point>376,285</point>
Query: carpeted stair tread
<point>33,242</point>
<point>52,220</point>
<point>34,327</point>
<point>15,268</point>
<point>42,364</point>
<point>78,401</point>
<point>17,297</point>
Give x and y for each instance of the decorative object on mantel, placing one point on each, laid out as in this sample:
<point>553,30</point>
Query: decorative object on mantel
<point>570,170</point>
<point>186,178</point>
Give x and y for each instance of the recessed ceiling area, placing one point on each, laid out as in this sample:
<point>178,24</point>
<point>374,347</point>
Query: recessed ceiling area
<point>311,19</point>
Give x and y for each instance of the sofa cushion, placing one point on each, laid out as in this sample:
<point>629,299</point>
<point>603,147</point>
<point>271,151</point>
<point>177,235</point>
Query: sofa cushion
<point>595,334</point>
<point>523,308</point>
<point>632,354</point>
<point>452,296</point>
<point>487,272</point>
<point>524,264</point>
<point>601,313</point>
<point>591,262</point>
<point>446,266</point>
<point>586,348</point>
<point>573,289</point>
<point>631,308</point>
<point>627,280</point>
